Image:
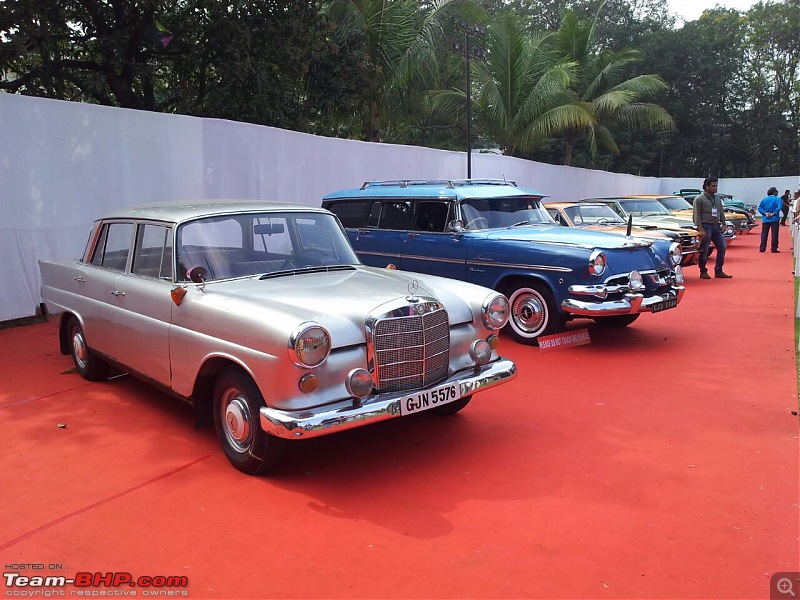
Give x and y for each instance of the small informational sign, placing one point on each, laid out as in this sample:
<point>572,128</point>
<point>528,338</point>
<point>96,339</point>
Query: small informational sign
<point>565,340</point>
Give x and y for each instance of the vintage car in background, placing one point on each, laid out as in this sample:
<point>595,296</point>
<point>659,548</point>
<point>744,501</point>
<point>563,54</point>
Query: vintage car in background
<point>496,234</point>
<point>747,211</point>
<point>262,317</point>
<point>601,217</point>
<point>681,207</point>
<point>646,211</point>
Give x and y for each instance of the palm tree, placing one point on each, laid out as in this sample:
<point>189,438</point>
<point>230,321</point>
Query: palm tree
<point>601,82</point>
<point>399,47</point>
<point>523,96</point>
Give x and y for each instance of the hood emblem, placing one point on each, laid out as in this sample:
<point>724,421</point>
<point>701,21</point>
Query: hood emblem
<point>413,286</point>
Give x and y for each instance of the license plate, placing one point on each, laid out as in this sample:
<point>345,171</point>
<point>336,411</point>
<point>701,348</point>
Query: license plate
<point>664,305</point>
<point>444,394</point>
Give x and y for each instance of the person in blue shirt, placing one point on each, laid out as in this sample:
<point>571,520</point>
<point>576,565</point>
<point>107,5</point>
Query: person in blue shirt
<point>770,210</point>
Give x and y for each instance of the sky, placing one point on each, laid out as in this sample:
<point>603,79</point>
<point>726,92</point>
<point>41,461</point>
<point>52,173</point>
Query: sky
<point>690,10</point>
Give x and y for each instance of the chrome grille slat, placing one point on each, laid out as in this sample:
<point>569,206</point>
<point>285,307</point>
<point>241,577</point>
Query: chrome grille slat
<point>411,347</point>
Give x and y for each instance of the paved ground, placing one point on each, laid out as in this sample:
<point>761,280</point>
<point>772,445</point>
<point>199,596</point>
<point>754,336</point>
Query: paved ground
<point>660,461</point>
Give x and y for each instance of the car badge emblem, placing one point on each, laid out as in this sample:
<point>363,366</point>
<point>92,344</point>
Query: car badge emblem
<point>413,286</point>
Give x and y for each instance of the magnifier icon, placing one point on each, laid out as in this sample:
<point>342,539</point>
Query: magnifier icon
<point>784,586</point>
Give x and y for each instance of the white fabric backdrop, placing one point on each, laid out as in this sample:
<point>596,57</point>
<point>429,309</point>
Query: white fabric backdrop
<point>64,164</point>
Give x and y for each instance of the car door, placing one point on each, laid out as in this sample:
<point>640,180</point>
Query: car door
<point>142,306</point>
<point>380,241</point>
<point>429,247</point>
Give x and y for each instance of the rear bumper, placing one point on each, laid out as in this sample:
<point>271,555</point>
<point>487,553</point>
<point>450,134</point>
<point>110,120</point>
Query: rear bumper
<point>348,414</point>
<point>632,303</point>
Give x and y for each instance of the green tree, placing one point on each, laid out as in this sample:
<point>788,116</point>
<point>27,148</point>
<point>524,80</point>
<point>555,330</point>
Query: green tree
<point>616,101</point>
<point>522,92</point>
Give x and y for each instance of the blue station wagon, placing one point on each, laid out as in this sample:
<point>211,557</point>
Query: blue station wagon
<point>499,235</point>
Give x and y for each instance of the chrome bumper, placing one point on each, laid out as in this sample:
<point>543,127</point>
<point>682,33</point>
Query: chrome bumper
<point>630,304</point>
<point>344,415</point>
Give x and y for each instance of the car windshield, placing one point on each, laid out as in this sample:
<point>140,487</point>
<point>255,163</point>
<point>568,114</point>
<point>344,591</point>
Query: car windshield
<point>249,244</point>
<point>492,213</point>
<point>593,214</point>
<point>644,208</point>
<point>675,203</point>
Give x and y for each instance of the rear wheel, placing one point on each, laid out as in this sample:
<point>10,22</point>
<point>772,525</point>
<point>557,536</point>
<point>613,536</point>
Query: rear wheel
<point>87,363</point>
<point>533,312</point>
<point>616,320</point>
<point>237,402</point>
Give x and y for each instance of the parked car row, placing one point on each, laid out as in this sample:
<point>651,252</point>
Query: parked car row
<point>280,322</point>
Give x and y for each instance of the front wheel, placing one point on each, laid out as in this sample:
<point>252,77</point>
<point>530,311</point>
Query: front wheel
<point>533,312</point>
<point>90,366</point>
<point>616,320</point>
<point>237,402</point>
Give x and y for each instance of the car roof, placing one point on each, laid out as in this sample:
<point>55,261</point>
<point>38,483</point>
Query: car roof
<point>640,197</point>
<point>566,204</point>
<point>179,211</point>
<point>458,189</point>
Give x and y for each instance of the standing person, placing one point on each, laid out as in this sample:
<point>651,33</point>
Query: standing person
<point>796,206</point>
<point>709,217</point>
<point>785,206</point>
<point>769,209</point>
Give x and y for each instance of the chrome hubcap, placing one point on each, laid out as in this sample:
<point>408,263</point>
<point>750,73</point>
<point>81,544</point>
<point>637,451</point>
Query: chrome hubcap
<point>237,421</point>
<point>529,312</point>
<point>79,350</point>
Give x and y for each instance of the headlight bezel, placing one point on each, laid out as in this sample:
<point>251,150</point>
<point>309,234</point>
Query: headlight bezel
<point>675,253</point>
<point>636,281</point>
<point>495,311</point>
<point>298,354</point>
<point>598,262</point>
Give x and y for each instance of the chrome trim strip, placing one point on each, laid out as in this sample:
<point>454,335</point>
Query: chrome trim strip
<point>631,304</point>
<point>479,263</point>
<point>348,415</point>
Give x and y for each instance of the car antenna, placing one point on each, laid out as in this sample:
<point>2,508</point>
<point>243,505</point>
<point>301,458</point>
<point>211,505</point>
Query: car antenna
<point>630,225</point>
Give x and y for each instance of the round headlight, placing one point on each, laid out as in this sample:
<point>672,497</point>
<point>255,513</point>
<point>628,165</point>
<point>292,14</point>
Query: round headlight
<point>636,281</point>
<point>597,262</point>
<point>730,229</point>
<point>309,345</point>
<point>359,383</point>
<point>675,253</point>
<point>481,352</point>
<point>495,311</point>
<point>679,275</point>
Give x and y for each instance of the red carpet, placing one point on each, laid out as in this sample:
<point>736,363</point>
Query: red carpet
<point>659,461</point>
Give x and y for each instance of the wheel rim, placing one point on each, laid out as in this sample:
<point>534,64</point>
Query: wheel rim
<point>529,312</point>
<point>237,421</point>
<point>79,350</point>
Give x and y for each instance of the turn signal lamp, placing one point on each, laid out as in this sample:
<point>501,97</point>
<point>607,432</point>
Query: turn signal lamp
<point>359,383</point>
<point>177,293</point>
<point>308,383</point>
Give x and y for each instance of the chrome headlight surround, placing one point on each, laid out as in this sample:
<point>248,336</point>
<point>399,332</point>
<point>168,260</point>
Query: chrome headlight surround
<point>597,263</point>
<point>495,311</point>
<point>679,279</point>
<point>309,345</point>
<point>635,281</point>
<point>675,253</point>
<point>729,228</point>
<point>359,383</point>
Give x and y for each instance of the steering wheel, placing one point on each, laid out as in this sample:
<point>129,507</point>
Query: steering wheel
<point>309,257</point>
<point>474,222</point>
<point>602,220</point>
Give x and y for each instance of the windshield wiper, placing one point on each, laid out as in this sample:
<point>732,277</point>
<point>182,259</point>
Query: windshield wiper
<point>317,269</point>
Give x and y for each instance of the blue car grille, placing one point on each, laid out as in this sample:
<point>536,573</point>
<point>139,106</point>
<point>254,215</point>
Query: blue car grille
<point>411,352</point>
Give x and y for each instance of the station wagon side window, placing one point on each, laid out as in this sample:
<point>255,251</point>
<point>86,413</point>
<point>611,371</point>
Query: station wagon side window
<point>432,215</point>
<point>352,213</point>
<point>152,254</point>
<point>113,246</point>
<point>390,214</point>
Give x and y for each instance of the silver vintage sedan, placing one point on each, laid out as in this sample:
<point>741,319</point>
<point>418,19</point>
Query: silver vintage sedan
<point>261,316</point>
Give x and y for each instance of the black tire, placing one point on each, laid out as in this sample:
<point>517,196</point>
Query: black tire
<point>452,408</point>
<point>533,312</point>
<point>616,320</point>
<point>89,366</point>
<point>237,402</point>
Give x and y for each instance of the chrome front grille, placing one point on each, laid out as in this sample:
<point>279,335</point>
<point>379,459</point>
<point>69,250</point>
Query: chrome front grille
<point>410,347</point>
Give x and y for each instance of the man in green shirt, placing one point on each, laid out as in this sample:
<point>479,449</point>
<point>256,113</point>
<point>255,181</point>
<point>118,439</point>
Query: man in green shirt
<point>709,217</point>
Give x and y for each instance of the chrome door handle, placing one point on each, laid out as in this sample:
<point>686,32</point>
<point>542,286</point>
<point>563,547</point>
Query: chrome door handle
<point>117,293</point>
<point>80,280</point>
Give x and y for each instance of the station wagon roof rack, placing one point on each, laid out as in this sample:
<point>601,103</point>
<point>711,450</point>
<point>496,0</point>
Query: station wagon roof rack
<point>450,183</point>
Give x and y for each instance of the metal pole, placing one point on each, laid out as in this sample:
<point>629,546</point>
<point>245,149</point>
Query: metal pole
<point>469,112</point>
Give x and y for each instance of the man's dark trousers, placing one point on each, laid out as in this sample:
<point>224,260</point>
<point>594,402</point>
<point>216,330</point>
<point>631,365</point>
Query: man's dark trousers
<point>765,229</point>
<point>713,234</point>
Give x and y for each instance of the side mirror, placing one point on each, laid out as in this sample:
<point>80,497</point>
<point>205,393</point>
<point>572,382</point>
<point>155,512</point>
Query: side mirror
<point>197,274</point>
<point>456,226</point>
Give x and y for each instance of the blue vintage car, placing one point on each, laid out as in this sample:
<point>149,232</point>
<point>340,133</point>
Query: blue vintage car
<point>499,235</point>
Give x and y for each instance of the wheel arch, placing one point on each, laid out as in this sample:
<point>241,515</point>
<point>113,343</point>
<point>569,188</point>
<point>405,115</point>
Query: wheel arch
<point>204,382</point>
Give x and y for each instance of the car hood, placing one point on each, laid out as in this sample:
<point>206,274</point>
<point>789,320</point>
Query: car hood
<point>664,221</point>
<point>623,229</point>
<point>339,300</point>
<point>567,236</point>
